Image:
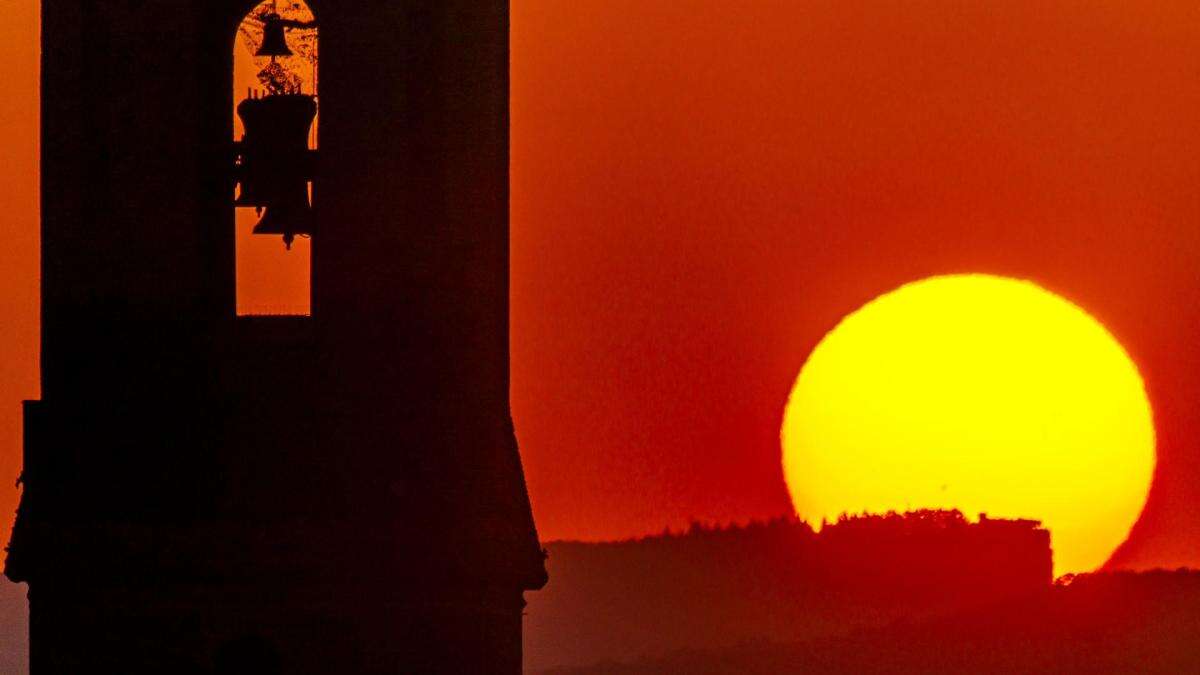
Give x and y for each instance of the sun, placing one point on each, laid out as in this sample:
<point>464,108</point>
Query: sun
<point>980,393</point>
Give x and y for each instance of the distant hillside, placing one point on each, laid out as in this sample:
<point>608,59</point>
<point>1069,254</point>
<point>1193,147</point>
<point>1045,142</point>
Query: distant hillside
<point>14,628</point>
<point>1112,622</point>
<point>774,582</point>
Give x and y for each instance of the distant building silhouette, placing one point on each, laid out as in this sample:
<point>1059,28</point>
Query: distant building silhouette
<point>334,493</point>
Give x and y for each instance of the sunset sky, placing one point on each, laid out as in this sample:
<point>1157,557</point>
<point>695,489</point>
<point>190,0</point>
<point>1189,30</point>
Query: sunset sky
<point>702,189</point>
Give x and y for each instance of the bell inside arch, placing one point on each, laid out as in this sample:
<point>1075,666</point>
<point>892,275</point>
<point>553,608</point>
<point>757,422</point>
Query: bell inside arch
<point>274,40</point>
<point>274,164</point>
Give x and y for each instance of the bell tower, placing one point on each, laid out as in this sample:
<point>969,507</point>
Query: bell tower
<point>341,492</point>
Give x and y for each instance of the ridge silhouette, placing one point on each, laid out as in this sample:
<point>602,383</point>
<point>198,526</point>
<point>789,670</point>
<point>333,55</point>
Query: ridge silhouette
<point>777,581</point>
<point>1106,622</point>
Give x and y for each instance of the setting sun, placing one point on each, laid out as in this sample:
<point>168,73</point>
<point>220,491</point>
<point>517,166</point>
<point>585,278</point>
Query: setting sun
<point>979,393</point>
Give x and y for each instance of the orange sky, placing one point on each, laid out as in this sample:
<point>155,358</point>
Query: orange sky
<point>701,189</point>
<point>19,254</point>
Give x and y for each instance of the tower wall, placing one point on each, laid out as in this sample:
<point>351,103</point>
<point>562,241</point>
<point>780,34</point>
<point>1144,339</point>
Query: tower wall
<point>344,488</point>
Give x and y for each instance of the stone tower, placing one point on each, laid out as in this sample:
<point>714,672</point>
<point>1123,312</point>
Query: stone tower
<point>334,493</point>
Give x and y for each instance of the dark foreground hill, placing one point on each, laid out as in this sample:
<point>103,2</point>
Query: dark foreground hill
<point>14,629</point>
<point>778,582</point>
<point>1118,622</point>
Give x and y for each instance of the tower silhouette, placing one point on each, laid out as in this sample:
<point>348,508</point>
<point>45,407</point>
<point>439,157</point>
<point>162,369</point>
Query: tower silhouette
<point>334,493</point>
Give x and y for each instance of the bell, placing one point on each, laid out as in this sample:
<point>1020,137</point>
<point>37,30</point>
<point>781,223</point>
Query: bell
<point>274,41</point>
<point>274,163</point>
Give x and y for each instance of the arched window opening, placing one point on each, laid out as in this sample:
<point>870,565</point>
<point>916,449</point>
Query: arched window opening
<point>275,133</point>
